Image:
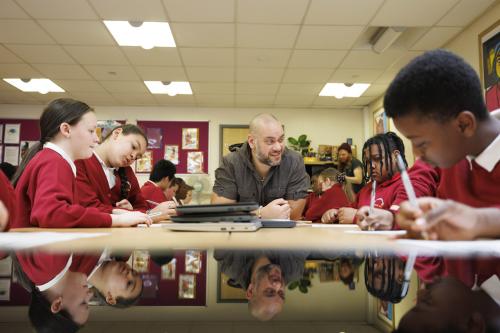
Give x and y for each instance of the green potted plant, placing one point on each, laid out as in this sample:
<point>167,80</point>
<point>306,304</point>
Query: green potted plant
<point>301,144</point>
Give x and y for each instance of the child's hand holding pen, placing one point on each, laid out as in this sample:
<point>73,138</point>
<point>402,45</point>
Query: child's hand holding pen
<point>374,219</point>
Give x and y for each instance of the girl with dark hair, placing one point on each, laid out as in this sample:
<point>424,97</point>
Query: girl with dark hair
<point>380,163</point>
<point>106,181</point>
<point>184,193</point>
<point>45,180</point>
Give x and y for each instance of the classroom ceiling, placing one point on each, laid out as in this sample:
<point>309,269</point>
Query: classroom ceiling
<point>234,53</point>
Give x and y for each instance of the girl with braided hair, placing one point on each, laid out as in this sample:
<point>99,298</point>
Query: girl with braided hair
<point>106,179</point>
<point>380,164</point>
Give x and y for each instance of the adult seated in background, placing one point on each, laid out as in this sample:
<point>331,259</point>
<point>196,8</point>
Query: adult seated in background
<point>184,193</point>
<point>450,306</point>
<point>264,275</point>
<point>351,167</point>
<point>161,178</point>
<point>264,171</point>
<point>8,169</point>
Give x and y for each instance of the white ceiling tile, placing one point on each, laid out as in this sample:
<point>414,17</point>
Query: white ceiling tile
<point>200,10</point>
<point>273,12</point>
<point>95,98</point>
<point>435,38</point>
<point>310,75</point>
<point>375,90</point>
<point>158,56</point>
<point>46,98</point>
<point>266,36</point>
<point>371,60</point>
<point>294,100</point>
<point>11,10</point>
<point>18,97</point>
<point>42,54</point>
<point>386,77</point>
<point>207,57</point>
<point>411,13</point>
<point>328,37</point>
<point>79,85</point>
<point>203,34</point>
<point>179,100</point>
<point>355,75</point>
<point>316,58</point>
<point>23,32</point>
<point>341,12</point>
<point>58,9</point>
<point>289,89</point>
<point>210,74</point>
<point>22,71</point>
<point>333,102</point>
<point>212,88</point>
<point>112,73</point>
<point>125,86</point>
<point>134,99</point>
<point>7,57</point>
<point>405,59</point>
<point>243,88</point>
<point>363,101</point>
<point>78,32</point>
<point>129,10</point>
<point>97,55</point>
<point>254,100</point>
<point>262,57</point>
<point>215,100</point>
<point>464,13</point>
<point>409,37</point>
<point>156,73</point>
<point>56,71</point>
<point>258,74</point>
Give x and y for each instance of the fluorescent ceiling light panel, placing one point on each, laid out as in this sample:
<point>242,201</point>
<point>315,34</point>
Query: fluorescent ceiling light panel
<point>42,86</point>
<point>144,34</point>
<point>171,88</point>
<point>341,90</point>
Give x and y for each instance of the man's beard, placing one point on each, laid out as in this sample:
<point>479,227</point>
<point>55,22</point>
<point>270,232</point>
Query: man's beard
<point>265,159</point>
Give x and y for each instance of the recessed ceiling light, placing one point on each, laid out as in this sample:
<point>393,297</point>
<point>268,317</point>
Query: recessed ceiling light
<point>144,34</point>
<point>341,90</point>
<point>169,88</point>
<point>43,86</point>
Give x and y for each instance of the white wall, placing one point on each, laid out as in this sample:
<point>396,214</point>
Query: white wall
<point>322,126</point>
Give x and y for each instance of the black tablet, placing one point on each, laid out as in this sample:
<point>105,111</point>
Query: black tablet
<point>219,208</point>
<point>278,223</point>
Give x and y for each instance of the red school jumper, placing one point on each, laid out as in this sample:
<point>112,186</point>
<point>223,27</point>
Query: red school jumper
<point>151,191</point>
<point>45,196</point>
<point>7,196</point>
<point>477,184</point>
<point>93,187</point>
<point>334,197</point>
<point>389,194</point>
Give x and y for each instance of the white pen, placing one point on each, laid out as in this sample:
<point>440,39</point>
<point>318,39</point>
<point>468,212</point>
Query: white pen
<point>410,192</point>
<point>410,262</point>
<point>372,197</point>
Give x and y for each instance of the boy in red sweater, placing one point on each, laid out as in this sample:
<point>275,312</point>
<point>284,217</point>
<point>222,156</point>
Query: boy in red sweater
<point>332,197</point>
<point>161,178</point>
<point>437,102</point>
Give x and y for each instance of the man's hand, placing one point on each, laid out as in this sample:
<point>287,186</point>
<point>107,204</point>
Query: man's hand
<point>346,215</point>
<point>276,209</point>
<point>380,219</point>
<point>330,216</point>
<point>440,219</point>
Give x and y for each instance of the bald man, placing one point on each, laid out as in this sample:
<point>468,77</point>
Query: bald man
<point>264,171</point>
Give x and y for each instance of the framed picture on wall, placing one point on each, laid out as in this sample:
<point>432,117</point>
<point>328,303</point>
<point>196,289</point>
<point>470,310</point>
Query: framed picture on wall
<point>190,138</point>
<point>380,122</point>
<point>145,163</point>
<point>187,286</point>
<point>168,270</point>
<point>227,292</point>
<point>1,133</point>
<point>172,153</point>
<point>104,127</point>
<point>154,136</point>
<point>385,312</point>
<point>195,162</point>
<point>12,133</point>
<point>193,261</point>
<point>489,65</point>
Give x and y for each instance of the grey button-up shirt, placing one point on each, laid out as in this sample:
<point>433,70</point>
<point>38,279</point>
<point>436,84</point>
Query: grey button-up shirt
<point>237,179</point>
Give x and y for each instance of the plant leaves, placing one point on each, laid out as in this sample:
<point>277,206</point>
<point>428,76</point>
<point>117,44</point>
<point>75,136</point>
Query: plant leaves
<point>293,141</point>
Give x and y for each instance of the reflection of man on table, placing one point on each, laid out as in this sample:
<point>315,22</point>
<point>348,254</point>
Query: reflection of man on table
<point>264,171</point>
<point>264,275</point>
